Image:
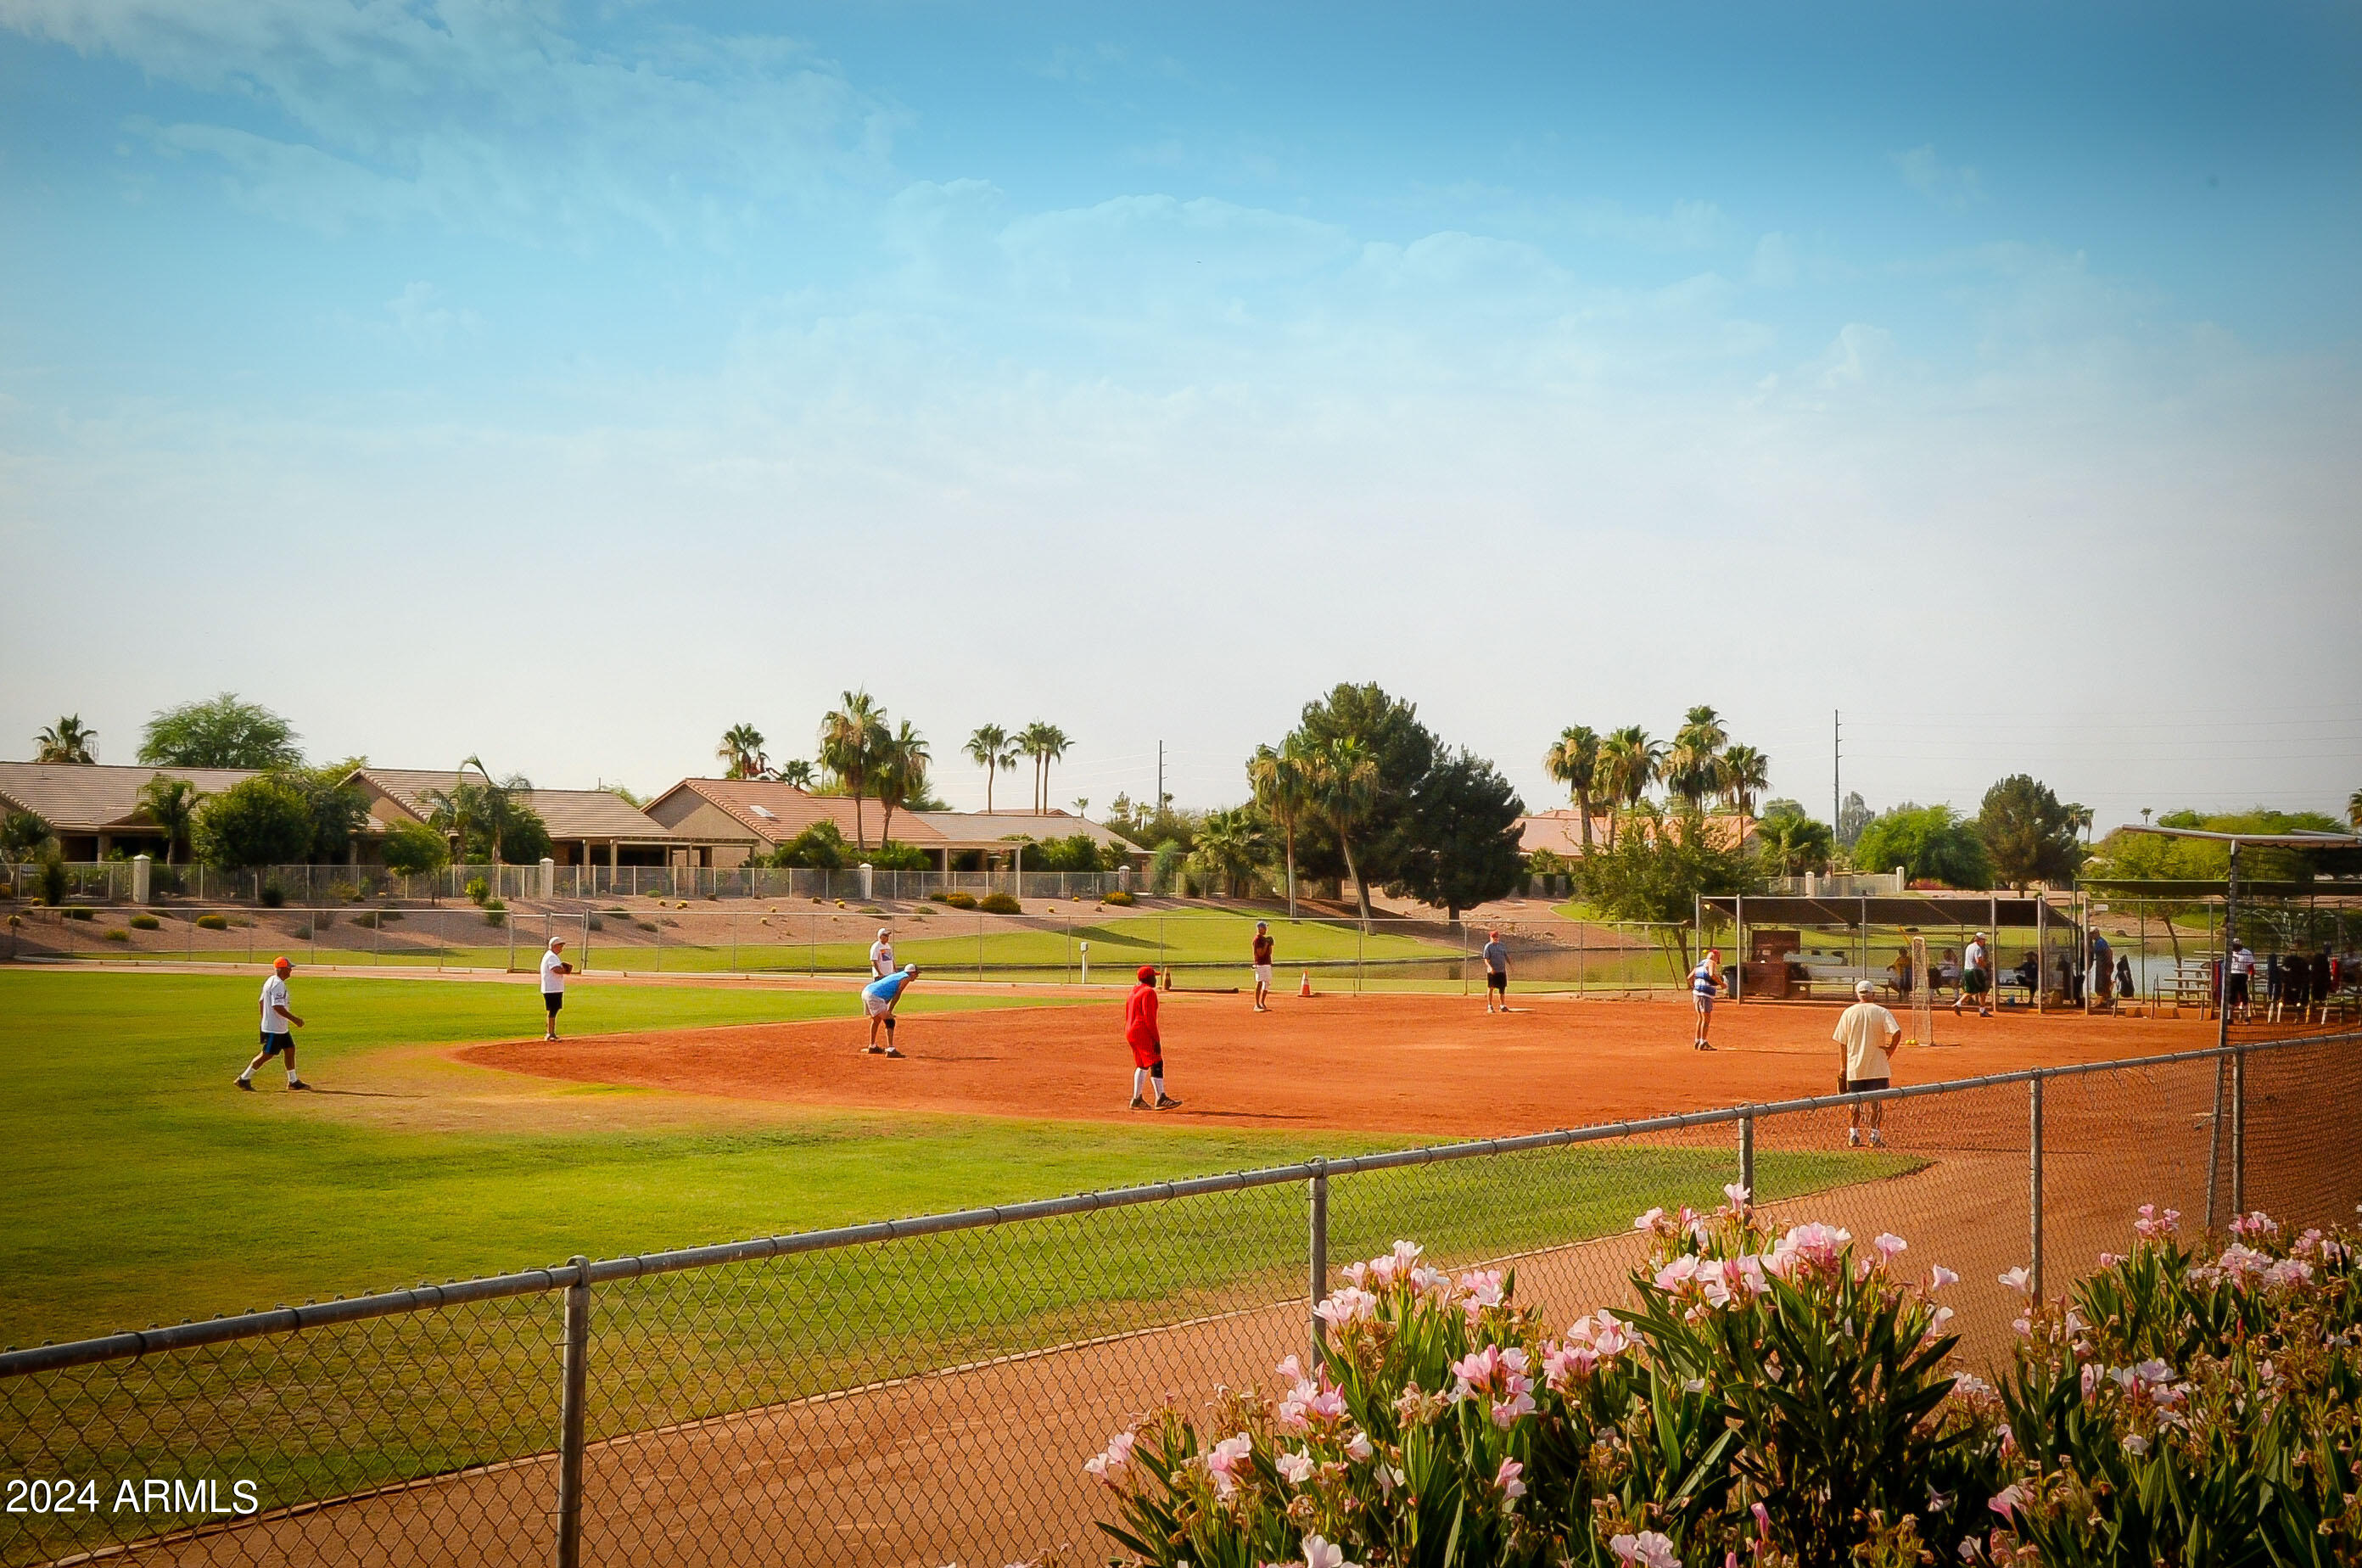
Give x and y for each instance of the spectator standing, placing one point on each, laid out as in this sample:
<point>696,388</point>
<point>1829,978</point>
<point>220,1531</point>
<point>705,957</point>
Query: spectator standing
<point>1497,971</point>
<point>1865,1032</point>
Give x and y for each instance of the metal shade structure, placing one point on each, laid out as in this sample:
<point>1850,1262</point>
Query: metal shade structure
<point>2238,1096</point>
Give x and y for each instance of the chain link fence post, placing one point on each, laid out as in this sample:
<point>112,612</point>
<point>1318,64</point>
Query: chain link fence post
<point>2239,1131</point>
<point>1746,1157</point>
<point>2034,1186</point>
<point>573,1392</point>
<point>1318,1273</point>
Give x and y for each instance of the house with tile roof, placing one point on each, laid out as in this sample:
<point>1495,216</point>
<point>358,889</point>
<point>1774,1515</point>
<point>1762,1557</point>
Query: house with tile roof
<point>587,827</point>
<point>93,808</point>
<point>767,814</point>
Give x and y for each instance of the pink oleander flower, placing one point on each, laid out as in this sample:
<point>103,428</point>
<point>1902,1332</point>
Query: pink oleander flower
<point>1647,1221</point>
<point>1564,1365</point>
<point>2287,1271</point>
<point>1227,1458</point>
<point>1295,1468</point>
<point>1356,1275</point>
<point>1611,1337</point>
<point>1351,1304</point>
<point>1291,1367</point>
<point>1713,1282</point>
<point>1678,1273</point>
<point>2109,1260</point>
<point>1936,1322</point>
<point>1737,1193</point>
<point>1647,1549</point>
<point>1358,1448</point>
<point>1106,1467</point>
<point>1507,1479</point>
<point>2136,1444</point>
<point>1388,1478</point>
<point>2091,1379</point>
<point>1815,1246</point>
<point>1762,1522</point>
<point>1483,1289</point>
<point>1431,1282</point>
<point>1940,1276</point>
<point>2018,1279</point>
<point>1507,1410</point>
<point>1889,1244</point>
<point>1319,1553</point>
<point>2023,1325</point>
<point>2238,1263</point>
<point>2257,1224</point>
<point>2008,1501</point>
<point>2153,1224</point>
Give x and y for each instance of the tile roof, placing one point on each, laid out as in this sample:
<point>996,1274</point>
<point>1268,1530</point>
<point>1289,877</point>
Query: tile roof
<point>569,815</point>
<point>94,797</point>
<point>972,830</point>
<point>777,813</point>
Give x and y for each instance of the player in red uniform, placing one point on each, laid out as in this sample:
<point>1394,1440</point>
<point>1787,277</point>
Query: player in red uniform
<point>1147,1045</point>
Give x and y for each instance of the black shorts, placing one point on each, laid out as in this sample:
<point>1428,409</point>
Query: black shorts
<point>1862,1085</point>
<point>1974,983</point>
<point>553,1001</point>
<point>274,1044</point>
<point>2239,988</point>
<point>1498,980</point>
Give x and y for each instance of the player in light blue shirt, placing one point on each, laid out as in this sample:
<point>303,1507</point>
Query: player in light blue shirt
<point>878,999</point>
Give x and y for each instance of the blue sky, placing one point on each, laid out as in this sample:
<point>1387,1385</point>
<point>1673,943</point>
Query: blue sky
<point>564,384</point>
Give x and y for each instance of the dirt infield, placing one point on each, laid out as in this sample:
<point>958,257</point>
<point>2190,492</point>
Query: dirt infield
<point>1439,1066</point>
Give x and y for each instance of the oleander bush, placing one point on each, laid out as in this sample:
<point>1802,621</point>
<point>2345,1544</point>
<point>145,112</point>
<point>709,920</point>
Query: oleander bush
<point>2181,1407</point>
<point>1779,1397</point>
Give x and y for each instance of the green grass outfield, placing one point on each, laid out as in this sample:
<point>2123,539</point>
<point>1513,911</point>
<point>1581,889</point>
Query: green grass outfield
<point>144,1189</point>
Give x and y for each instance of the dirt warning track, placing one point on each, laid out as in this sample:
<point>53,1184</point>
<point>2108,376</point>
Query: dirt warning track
<point>1421,1064</point>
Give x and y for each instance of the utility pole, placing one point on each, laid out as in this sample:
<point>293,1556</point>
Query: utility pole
<point>1160,779</point>
<point>1836,791</point>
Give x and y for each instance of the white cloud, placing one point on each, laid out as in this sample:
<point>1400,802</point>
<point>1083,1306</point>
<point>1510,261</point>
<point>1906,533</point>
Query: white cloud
<point>1955,186</point>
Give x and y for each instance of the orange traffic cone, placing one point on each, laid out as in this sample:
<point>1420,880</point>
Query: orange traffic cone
<point>1304,987</point>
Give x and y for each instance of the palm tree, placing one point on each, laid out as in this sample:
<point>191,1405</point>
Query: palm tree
<point>1281,782</point>
<point>1746,773</point>
<point>850,739</point>
<point>991,749</point>
<point>1344,788</point>
<point>1628,763</point>
<point>1693,767</point>
<point>796,771</point>
<point>171,804</point>
<point>1027,742</point>
<point>66,741</point>
<point>1229,847</point>
<point>2353,811</point>
<point>1574,760</point>
<point>903,763</point>
<point>742,748</point>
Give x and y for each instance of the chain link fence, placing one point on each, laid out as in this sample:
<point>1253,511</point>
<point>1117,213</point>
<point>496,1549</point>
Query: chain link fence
<point>923,1392</point>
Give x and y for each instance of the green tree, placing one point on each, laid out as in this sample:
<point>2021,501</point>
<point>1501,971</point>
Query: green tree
<point>1656,869</point>
<point>220,732</point>
<point>1345,783</point>
<point>794,771</point>
<point>262,821</point>
<point>741,750</point>
<point>1281,782</point>
<point>1746,773</point>
<point>900,772</point>
<point>1045,744</point>
<point>2354,811</point>
<point>1629,762</point>
<point>1388,734</point>
<point>1932,843</point>
<point>1463,832</point>
<point>338,809</point>
<point>24,836</point>
<point>171,804</point>
<point>1791,841</point>
<point>68,740</point>
<point>1574,760</point>
<point>991,749</point>
<point>1852,817</point>
<point>820,848</point>
<point>413,849</point>
<point>850,738</point>
<point>1231,845</point>
<point>1692,765</point>
<point>2028,833</point>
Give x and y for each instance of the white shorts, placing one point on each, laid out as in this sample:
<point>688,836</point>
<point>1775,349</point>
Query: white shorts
<point>1702,1001</point>
<point>1263,976</point>
<point>875,1007</point>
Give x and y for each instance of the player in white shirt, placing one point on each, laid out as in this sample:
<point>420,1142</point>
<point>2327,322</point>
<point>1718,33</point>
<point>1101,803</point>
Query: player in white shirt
<point>279,1024</point>
<point>1867,1031</point>
<point>554,970</point>
<point>881,954</point>
<point>1976,978</point>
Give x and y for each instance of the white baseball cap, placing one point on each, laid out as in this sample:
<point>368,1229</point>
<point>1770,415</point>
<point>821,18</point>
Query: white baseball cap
<point>1864,989</point>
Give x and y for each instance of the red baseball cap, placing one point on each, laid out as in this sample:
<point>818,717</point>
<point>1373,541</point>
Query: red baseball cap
<point>1147,976</point>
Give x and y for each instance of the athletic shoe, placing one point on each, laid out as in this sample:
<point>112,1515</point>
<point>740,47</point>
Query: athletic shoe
<point>299,1083</point>
<point>891,1052</point>
<point>1137,1103</point>
<point>245,1084</point>
<point>873,1050</point>
<point>1166,1102</point>
<point>1853,1137</point>
<point>1877,1139</point>
<point>1704,1046</point>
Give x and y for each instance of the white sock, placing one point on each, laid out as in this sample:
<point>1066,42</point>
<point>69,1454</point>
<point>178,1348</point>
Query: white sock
<point>1139,1082</point>
<point>291,1075</point>
<point>247,1077</point>
<point>1159,1082</point>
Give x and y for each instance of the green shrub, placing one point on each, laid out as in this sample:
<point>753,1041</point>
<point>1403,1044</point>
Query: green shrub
<point>592,923</point>
<point>1000,903</point>
<point>645,924</point>
<point>368,919</point>
<point>413,849</point>
<point>324,919</point>
<point>388,914</point>
<point>478,890</point>
<point>273,895</point>
<point>1777,1396</point>
<point>53,882</point>
<point>146,922</point>
<point>1120,899</point>
<point>115,933</point>
<point>957,899</point>
<point>80,912</point>
<point>343,893</point>
<point>302,931</point>
<point>213,923</point>
<point>495,911</point>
